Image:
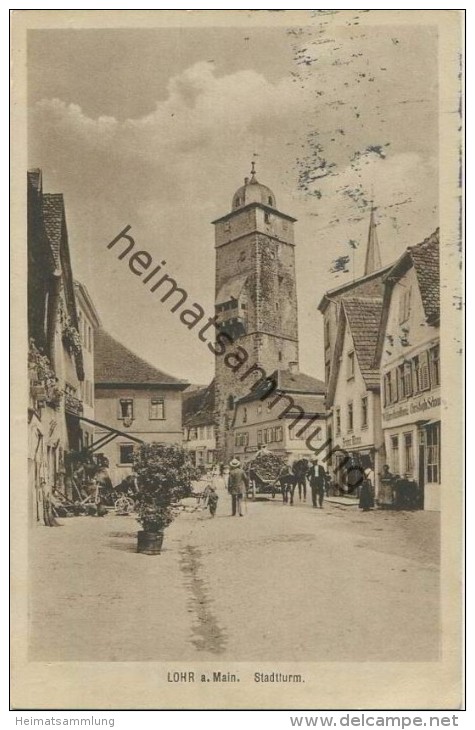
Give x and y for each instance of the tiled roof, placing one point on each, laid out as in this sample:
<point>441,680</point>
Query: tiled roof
<point>53,215</point>
<point>287,382</point>
<point>425,258</point>
<point>299,382</point>
<point>115,364</point>
<point>199,406</point>
<point>363,317</point>
<point>311,405</point>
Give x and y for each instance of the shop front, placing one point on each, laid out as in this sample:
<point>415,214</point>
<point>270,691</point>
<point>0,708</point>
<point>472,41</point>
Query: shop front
<point>412,435</point>
<point>348,462</point>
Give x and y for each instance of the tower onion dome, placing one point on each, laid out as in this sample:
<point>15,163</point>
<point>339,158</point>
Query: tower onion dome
<point>253,192</point>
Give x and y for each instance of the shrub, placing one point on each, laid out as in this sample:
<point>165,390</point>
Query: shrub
<point>164,476</point>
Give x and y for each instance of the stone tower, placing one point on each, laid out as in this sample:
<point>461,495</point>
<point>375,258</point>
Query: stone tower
<point>256,295</point>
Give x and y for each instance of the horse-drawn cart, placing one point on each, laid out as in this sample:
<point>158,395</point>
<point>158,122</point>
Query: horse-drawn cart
<point>265,472</point>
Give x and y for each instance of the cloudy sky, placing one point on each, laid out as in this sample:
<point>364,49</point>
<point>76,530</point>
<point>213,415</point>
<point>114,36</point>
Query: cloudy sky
<point>156,128</point>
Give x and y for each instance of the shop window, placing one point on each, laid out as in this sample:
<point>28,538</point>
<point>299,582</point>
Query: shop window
<point>408,455</point>
<point>278,433</point>
<point>364,412</point>
<point>126,454</point>
<point>338,422</point>
<point>193,434</point>
<point>433,453</point>
<point>351,365</point>
<point>350,416</point>
<point>395,454</point>
<point>157,409</point>
<point>126,408</point>
<point>434,365</point>
<point>259,439</point>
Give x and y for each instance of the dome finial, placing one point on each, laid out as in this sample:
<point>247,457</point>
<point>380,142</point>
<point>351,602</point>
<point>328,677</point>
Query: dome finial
<point>253,172</point>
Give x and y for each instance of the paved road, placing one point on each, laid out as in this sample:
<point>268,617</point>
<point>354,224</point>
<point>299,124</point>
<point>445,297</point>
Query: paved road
<point>281,583</point>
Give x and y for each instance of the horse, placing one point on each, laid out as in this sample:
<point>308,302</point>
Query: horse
<point>287,482</point>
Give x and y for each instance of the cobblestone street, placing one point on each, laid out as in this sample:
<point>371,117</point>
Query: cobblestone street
<point>281,583</point>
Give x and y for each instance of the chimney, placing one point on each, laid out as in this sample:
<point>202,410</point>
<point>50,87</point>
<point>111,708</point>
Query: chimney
<point>294,367</point>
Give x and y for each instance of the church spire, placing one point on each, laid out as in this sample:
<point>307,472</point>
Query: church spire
<point>373,255</point>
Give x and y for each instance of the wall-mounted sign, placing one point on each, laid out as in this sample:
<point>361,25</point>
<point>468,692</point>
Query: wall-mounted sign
<point>416,406</point>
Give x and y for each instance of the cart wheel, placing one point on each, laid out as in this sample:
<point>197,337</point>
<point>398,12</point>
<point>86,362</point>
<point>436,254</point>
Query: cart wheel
<point>124,505</point>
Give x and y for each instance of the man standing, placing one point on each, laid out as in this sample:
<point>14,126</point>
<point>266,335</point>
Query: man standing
<point>317,483</point>
<point>237,486</point>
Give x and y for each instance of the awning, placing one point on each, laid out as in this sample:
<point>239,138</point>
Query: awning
<point>111,434</point>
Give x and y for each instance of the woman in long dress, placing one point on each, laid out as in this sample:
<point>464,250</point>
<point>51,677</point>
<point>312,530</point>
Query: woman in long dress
<point>366,490</point>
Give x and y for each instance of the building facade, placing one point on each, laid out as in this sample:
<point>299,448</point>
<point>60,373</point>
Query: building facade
<point>134,403</point>
<point>409,360</point>
<point>353,396</point>
<point>55,356</point>
<point>199,425</point>
<point>88,323</point>
<point>256,298</point>
<point>288,421</point>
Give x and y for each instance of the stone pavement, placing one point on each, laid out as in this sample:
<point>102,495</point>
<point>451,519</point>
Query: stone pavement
<point>281,583</point>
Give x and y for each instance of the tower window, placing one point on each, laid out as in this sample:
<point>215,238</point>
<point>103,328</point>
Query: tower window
<point>230,402</point>
<point>280,355</point>
<point>269,200</point>
<point>267,217</point>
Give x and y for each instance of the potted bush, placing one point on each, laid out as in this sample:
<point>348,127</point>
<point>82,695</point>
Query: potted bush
<point>164,476</point>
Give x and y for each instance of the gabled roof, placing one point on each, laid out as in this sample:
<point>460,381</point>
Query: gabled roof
<point>199,406</point>
<point>286,381</point>
<point>338,292</point>
<point>425,258</point>
<point>362,316</point>
<point>116,365</point>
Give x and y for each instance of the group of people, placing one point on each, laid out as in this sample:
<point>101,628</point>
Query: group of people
<point>236,481</point>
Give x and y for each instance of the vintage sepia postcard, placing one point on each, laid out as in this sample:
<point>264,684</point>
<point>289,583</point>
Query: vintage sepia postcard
<point>237,256</point>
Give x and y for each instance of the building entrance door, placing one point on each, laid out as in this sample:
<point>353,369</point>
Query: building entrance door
<point>422,468</point>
